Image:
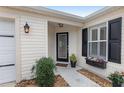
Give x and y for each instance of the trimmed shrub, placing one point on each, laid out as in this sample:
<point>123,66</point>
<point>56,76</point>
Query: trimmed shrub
<point>45,72</point>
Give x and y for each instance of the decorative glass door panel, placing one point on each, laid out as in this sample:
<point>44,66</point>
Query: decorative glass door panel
<point>62,46</point>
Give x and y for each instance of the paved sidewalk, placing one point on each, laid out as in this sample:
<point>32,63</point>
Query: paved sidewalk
<point>74,78</point>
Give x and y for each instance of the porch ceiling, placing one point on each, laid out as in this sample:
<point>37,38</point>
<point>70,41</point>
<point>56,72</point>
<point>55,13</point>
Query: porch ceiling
<point>56,24</point>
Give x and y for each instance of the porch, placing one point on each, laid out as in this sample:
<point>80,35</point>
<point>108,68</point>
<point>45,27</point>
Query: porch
<point>73,46</point>
<point>62,41</point>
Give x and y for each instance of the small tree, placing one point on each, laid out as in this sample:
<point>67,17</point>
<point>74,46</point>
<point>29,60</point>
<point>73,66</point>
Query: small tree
<point>44,72</point>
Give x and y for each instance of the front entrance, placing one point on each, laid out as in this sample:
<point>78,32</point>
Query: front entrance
<point>62,46</point>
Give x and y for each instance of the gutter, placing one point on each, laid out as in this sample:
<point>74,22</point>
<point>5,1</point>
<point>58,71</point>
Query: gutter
<point>50,13</point>
<point>101,12</point>
<point>67,16</point>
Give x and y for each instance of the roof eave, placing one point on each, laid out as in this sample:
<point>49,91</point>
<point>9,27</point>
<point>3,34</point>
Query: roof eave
<point>101,12</point>
<point>51,13</point>
<point>67,16</point>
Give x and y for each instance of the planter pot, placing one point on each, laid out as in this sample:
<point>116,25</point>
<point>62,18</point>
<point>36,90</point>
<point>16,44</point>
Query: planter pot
<point>73,64</point>
<point>116,85</point>
<point>96,64</point>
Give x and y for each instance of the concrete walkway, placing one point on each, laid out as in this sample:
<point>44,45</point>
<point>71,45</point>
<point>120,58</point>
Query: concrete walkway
<point>74,78</point>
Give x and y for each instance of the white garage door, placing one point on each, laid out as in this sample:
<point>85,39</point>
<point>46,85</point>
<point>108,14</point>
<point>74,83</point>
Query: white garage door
<point>7,51</point>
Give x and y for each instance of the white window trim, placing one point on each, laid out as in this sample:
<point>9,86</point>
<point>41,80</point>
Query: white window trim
<point>98,26</point>
<point>107,41</point>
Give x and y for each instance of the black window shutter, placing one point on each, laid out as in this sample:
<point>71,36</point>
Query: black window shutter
<point>114,42</point>
<point>84,42</point>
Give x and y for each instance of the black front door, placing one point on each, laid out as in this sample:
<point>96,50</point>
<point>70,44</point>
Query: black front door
<point>62,46</point>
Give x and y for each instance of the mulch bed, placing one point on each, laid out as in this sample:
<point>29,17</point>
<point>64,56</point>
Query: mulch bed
<point>61,65</point>
<point>99,80</point>
<point>59,82</point>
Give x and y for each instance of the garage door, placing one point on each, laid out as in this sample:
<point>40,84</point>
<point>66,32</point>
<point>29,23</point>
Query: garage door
<point>7,51</point>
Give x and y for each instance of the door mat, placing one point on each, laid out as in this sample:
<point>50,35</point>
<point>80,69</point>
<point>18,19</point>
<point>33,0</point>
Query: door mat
<point>92,76</point>
<point>61,65</point>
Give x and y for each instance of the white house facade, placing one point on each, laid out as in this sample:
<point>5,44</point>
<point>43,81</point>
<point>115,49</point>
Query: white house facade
<point>58,35</point>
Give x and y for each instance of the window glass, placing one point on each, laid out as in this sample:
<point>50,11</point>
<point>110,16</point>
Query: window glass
<point>103,33</point>
<point>94,34</point>
<point>93,49</point>
<point>103,49</point>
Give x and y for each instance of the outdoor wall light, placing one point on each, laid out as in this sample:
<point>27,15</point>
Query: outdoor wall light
<point>26,28</point>
<point>60,24</point>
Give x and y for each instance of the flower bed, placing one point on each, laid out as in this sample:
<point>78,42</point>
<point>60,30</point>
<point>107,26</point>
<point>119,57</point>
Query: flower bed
<point>96,62</point>
<point>59,82</point>
<point>99,80</point>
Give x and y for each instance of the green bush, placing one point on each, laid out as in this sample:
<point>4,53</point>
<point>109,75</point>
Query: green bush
<point>45,72</point>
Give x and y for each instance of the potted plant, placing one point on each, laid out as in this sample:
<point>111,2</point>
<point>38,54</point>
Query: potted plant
<point>116,78</point>
<point>73,60</point>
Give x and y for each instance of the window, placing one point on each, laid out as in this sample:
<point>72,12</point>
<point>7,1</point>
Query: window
<point>97,41</point>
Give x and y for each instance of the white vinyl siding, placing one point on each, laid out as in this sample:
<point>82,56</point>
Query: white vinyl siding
<point>33,44</point>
